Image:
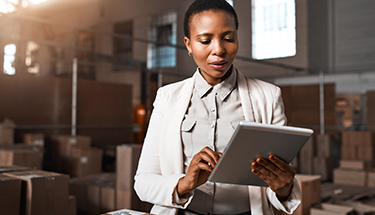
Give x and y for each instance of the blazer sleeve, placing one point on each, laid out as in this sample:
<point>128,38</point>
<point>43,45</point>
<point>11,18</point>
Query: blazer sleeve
<point>150,184</point>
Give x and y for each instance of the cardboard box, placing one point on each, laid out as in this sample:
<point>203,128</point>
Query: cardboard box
<point>86,161</point>
<point>311,192</point>
<point>21,157</point>
<point>350,177</point>
<point>108,197</point>
<point>324,166</point>
<point>355,164</point>
<point>43,193</point>
<point>324,145</point>
<point>332,209</point>
<point>127,162</point>
<point>370,177</point>
<point>306,155</point>
<point>93,198</point>
<point>7,132</point>
<point>34,139</point>
<point>88,191</point>
<point>62,146</point>
<point>13,169</point>
<point>349,152</point>
<point>72,205</point>
<point>129,199</point>
<point>10,196</point>
<point>358,138</point>
<point>366,153</point>
<point>64,143</point>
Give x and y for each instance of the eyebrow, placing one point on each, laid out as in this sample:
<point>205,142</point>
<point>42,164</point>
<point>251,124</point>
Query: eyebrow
<point>209,34</point>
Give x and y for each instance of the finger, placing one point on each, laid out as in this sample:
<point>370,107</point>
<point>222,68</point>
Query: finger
<point>208,158</point>
<point>212,153</point>
<point>202,160</point>
<point>205,166</point>
<point>263,173</point>
<point>281,164</point>
<point>261,167</point>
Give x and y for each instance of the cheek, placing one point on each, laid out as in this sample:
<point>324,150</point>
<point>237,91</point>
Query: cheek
<point>233,50</point>
<point>200,54</point>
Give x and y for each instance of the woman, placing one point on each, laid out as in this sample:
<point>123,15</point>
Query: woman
<point>193,120</point>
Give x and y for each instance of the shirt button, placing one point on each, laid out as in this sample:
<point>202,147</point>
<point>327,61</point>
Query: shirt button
<point>213,110</point>
<point>212,125</point>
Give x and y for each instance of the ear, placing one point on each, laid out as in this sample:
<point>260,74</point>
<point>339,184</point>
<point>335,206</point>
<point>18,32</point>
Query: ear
<point>188,44</point>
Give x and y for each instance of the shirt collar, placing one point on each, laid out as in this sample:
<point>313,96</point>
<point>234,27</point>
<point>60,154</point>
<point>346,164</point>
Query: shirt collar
<point>222,89</point>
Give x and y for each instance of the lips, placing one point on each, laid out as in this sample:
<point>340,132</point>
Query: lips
<point>219,64</point>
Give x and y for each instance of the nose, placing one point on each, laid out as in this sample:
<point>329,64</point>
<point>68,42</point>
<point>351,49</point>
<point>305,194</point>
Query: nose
<point>218,47</point>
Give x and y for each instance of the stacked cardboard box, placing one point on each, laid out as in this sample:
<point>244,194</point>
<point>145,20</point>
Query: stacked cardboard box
<point>4,169</point>
<point>21,155</point>
<point>306,157</point>
<point>72,205</point>
<point>310,193</point>
<point>86,161</point>
<point>42,193</point>
<point>34,139</point>
<point>357,152</point>
<point>7,132</point>
<point>10,197</point>
<point>319,156</point>
<point>95,194</point>
<point>350,177</point>
<point>127,162</point>
<point>74,155</point>
<point>326,158</point>
<point>355,172</point>
<point>332,209</point>
<point>358,145</point>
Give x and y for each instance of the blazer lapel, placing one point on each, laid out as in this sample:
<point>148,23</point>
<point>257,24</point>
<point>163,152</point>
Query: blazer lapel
<point>244,92</point>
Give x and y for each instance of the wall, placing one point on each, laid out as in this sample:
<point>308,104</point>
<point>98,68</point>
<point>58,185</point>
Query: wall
<point>354,33</point>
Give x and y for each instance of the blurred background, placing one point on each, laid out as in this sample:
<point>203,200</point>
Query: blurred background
<point>92,67</point>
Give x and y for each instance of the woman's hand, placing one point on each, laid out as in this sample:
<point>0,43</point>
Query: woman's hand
<point>277,173</point>
<point>198,171</point>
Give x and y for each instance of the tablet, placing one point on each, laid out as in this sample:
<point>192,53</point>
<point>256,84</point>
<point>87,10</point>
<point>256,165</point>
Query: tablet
<point>251,140</point>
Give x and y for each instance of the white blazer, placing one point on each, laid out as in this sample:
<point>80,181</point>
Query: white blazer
<point>161,163</point>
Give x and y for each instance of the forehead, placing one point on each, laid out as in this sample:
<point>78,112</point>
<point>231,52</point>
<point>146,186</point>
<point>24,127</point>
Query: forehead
<point>212,19</point>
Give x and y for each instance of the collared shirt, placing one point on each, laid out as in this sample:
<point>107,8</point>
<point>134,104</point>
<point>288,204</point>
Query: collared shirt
<point>212,116</point>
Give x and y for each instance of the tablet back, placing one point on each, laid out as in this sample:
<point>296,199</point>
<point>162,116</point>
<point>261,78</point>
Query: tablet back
<point>251,140</point>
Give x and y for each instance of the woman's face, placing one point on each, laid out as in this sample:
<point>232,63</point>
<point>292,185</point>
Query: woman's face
<point>213,43</point>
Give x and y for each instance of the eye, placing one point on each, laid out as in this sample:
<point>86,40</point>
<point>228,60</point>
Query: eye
<point>205,42</point>
<point>229,39</point>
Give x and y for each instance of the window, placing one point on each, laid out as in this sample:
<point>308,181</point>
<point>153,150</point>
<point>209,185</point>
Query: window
<point>9,58</point>
<point>163,31</point>
<point>30,61</point>
<point>9,6</point>
<point>230,2</point>
<point>273,29</point>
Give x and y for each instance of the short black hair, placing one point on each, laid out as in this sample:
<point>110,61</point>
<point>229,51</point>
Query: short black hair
<point>199,6</point>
